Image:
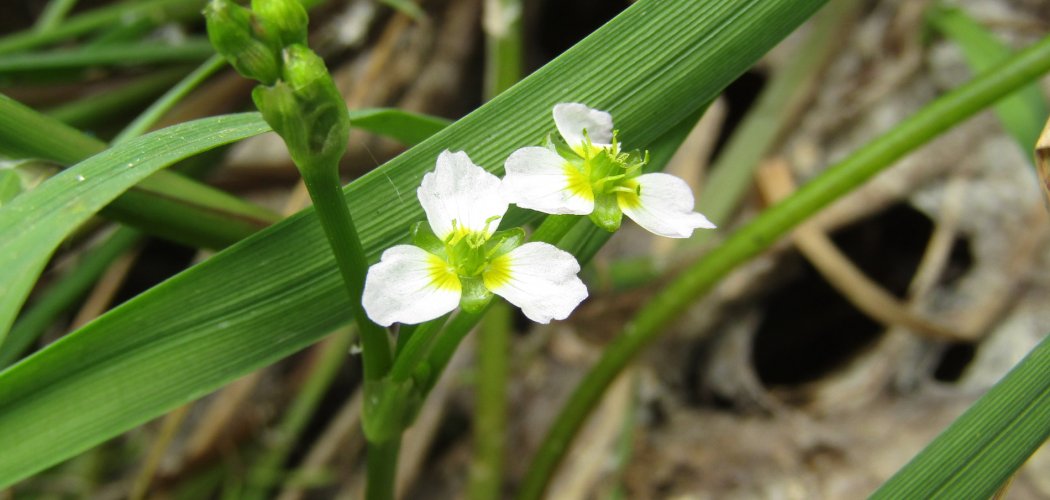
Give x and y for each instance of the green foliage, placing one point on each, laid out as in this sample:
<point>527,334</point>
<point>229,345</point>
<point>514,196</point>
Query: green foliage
<point>35,223</point>
<point>988,443</point>
<point>274,293</point>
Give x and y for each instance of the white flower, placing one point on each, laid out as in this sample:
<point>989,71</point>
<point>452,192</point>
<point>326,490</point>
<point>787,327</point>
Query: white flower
<point>462,260</point>
<point>596,179</point>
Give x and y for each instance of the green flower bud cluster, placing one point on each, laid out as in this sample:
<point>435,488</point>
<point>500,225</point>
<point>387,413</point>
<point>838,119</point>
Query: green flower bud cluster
<point>297,97</point>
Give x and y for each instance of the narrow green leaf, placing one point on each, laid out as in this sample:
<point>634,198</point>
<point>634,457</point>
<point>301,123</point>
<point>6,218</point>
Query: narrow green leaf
<point>98,19</point>
<point>262,299</point>
<point>984,446</point>
<point>402,126</point>
<point>53,14</point>
<point>126,54</point>
<point>61,294</point>
<point>34,224</point>
<point>102,106</point>
<point>1024,112</point>
<point>168,205</point>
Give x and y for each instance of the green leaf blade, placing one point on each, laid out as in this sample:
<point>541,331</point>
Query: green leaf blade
<point>35,223</point>
<point>987,443</point>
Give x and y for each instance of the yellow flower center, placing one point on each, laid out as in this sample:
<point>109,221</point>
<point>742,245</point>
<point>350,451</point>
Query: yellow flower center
<point>442,274</point>
<point>497,273</point>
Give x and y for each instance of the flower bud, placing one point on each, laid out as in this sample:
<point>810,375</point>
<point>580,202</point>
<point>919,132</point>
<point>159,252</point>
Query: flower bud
<point>230,29</point>
<point>323,109</point>
<point>283,21</point>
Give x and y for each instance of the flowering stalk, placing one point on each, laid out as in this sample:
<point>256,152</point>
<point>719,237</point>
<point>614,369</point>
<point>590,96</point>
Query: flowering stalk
<point>301,103</point>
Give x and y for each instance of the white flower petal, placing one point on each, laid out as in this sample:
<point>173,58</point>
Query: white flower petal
<point>539,179</point>
<point>663,206</point>
<point>458,190</point>
<point>409,285</point>
<point>540,279</point>
<point>572,118</point>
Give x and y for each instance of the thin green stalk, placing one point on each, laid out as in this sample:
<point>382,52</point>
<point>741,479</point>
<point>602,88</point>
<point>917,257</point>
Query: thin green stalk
<point>554,228</point>
<point>323,184</point>
<point>53,15</point>
<point>503,45</point>
<point>322,181</point>
<point>101,107</point>
<point>381,464</point>
<point>749,241</point>
<point>61,295</point>
<point>97,19</point>
<point>125,54</point>
<point>490,417</point>
<point>268,469</point>
<point>415,349</point>
<point>153,114</point>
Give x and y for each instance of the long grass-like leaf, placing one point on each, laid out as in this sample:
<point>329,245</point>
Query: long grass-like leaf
<point>988,443</point>
<point>35,223</point>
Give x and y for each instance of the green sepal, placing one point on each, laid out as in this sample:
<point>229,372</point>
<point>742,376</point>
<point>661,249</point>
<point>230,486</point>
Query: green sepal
<point>504,241</point>
<point>282,111</point>
<point>562,148</point>
<point>389,409</point>
<point>232,33</point>
<point>322,107</point>
<point>423,237</point>
<point>281,22</point>
<point>607,214</point>
<point>605,164</point>
<point>475,296</point>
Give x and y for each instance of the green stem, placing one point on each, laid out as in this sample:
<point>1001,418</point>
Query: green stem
<point>428,372</point>
<point>415,349</point>
<point>381,464</point>
<point>486,470</point>
<point>503,47</point>
<point>114,54</point>
<point>554,228</point>
<point>267,470</point>
<point>100,18</point>
<point>322,181</point>
<point>749,241</point>
<point>53,15</point>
